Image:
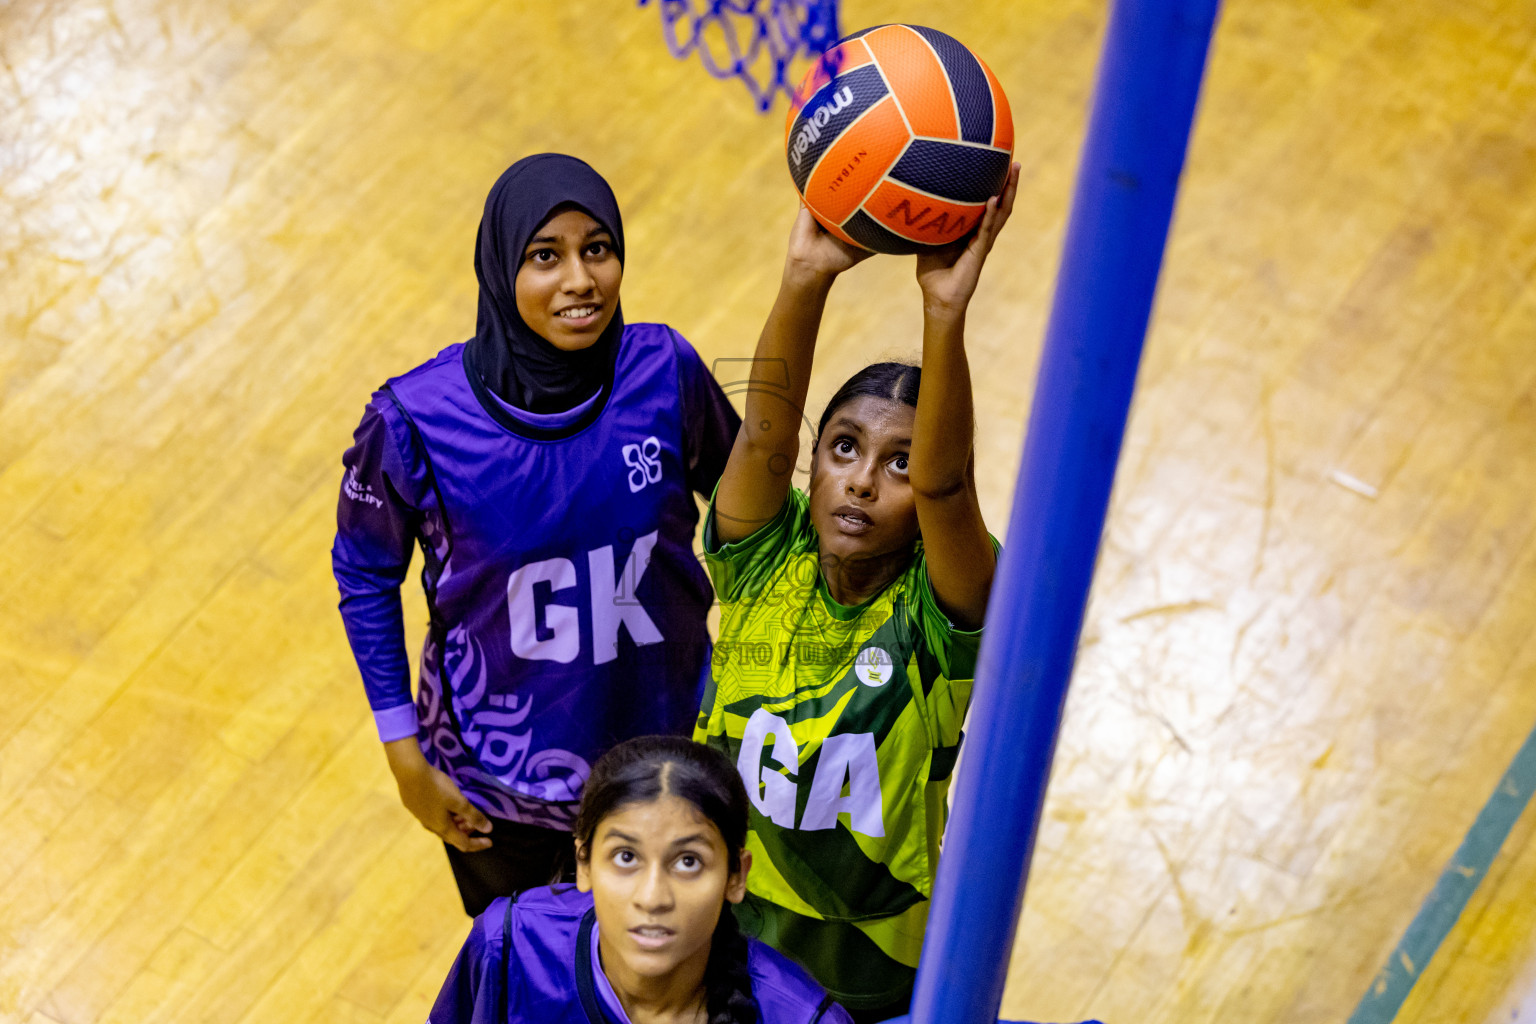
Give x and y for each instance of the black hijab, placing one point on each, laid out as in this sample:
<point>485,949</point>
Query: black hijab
<point>512,361</point>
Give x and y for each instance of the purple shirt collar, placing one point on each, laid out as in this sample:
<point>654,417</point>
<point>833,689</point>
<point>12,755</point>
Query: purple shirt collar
<point>548,420</point>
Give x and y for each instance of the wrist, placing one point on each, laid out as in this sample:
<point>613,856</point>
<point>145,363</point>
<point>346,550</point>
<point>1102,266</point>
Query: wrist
<point>405,757</point>
<point>944,313</point>
<point>800,278</point>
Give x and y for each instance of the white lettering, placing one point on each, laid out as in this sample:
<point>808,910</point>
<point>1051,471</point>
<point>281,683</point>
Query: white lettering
<point>848,757</point>
<point>615,604</point>
<point>355,489</point>
<point>771,793</point>
<point>561,621</point>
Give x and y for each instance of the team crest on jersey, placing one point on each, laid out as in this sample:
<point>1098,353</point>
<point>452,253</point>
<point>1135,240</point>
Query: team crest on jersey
<point>644,460</point>
<point>874,666</point>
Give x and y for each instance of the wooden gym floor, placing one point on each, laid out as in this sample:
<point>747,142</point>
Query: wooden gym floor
<point>1310,655</point>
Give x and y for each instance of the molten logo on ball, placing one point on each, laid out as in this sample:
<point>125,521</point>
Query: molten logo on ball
<point>817,121</point>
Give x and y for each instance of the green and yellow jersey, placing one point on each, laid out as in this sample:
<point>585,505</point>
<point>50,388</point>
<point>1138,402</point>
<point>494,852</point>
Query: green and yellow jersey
<point>844,723</point>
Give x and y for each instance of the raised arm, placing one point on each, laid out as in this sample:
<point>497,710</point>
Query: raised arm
<point>757,475</point>
<point>942,468</point>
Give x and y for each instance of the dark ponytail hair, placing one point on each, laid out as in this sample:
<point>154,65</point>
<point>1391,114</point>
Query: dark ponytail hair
<point>896,382</point>
<point>647,767</point>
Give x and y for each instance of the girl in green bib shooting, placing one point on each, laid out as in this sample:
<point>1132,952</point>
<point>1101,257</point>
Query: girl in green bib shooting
<point>850,621</point>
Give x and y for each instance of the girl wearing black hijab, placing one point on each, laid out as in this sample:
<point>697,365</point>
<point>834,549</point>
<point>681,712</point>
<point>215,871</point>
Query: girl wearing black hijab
<point>546,468</point>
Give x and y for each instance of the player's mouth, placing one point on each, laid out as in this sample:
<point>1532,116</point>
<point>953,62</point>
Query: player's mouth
<point>851,520</point>
<point>578,317</point>
<point>652,936</point>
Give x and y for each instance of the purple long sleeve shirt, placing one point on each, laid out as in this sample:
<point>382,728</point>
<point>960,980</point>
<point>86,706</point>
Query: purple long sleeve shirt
<point>566,602</point>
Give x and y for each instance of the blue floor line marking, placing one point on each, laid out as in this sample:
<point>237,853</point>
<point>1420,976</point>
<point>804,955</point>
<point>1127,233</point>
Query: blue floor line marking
<point>1458,882</point>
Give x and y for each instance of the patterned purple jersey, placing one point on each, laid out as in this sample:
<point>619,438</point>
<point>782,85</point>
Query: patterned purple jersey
<point>567,605</point>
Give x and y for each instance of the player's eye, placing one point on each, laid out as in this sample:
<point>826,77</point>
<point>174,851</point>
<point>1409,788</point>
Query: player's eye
<point>899,464</point>
<point>625,858</point>
<point>689,863</point>
<point>545,255</point>
<point>599,249</point>
<point>844,446</point>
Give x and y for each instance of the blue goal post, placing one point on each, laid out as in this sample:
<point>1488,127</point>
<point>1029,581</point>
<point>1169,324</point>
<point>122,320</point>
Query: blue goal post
<point>1149,78</point>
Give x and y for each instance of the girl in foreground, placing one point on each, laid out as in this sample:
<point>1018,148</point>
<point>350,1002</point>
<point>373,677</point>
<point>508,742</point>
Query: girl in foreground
<point>644,936</point>
<point>850,622</point>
